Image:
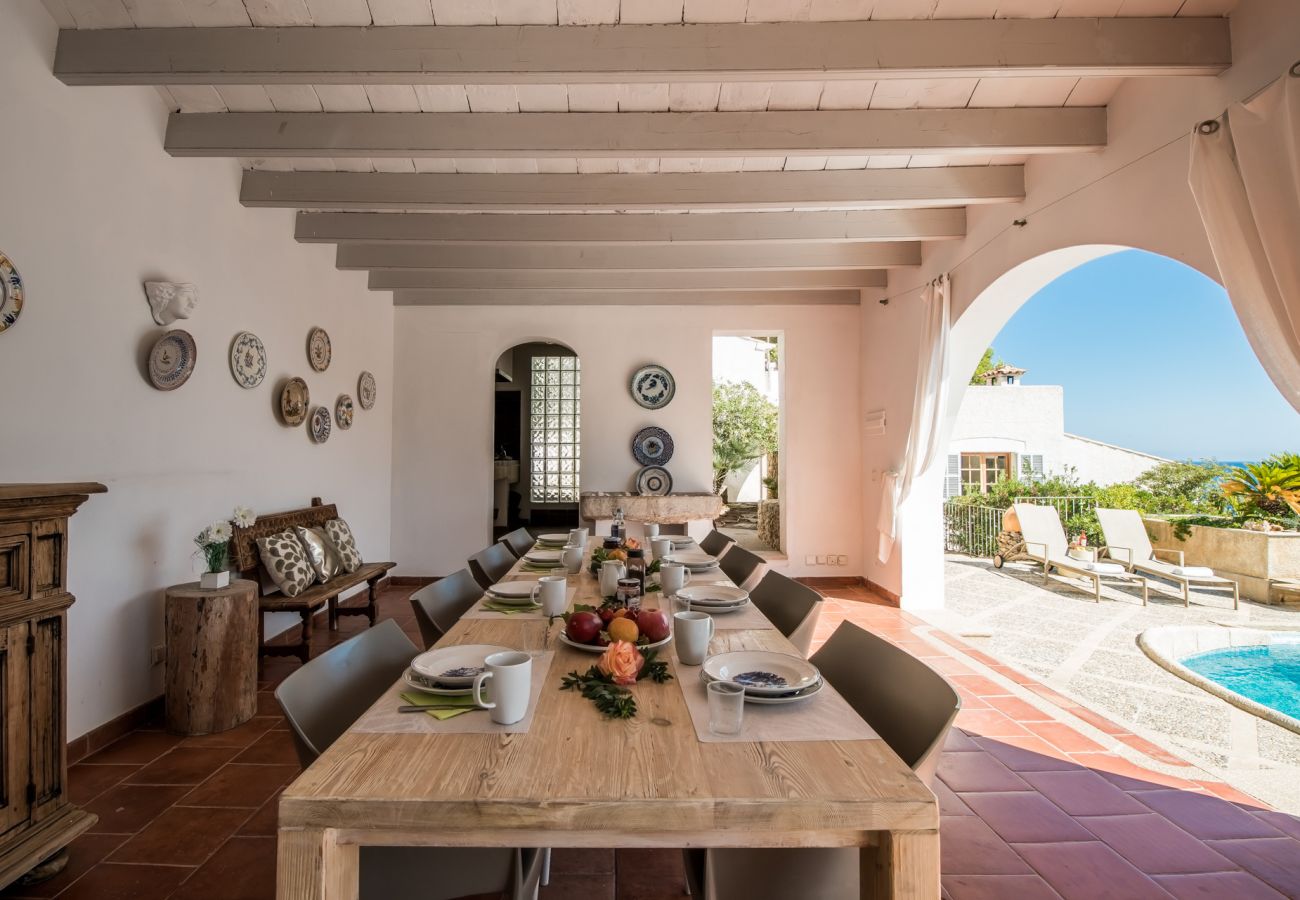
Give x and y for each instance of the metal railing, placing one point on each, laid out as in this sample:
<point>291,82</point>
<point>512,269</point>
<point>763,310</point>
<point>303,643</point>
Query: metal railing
<point>974,530</point>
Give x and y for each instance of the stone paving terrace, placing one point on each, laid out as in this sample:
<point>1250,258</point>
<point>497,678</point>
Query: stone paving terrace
<point>1088,653</point>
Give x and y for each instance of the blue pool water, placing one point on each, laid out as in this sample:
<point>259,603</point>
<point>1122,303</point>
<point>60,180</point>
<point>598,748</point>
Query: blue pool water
<point>1268,674</point>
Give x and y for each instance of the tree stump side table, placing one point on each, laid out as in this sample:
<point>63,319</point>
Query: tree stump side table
<point>211,657</point>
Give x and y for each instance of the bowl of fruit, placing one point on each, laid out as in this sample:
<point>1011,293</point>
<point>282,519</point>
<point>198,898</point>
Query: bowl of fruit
<point>594,628</point>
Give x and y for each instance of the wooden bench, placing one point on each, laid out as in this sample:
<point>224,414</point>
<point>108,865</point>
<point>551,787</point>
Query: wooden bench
<point>309,602</point>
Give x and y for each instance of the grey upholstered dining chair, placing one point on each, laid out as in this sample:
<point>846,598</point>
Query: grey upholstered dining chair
<point>439,605</point>
<point>491,564</point>
<point>320,700</point>
<point>909,705</point>
<point>792,607</point>
<point>742,566</point>
<point>716,543</point>
<point>519,541</point>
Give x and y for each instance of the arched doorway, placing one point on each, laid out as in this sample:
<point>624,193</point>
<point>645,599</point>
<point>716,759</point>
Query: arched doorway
<point>537,437</point>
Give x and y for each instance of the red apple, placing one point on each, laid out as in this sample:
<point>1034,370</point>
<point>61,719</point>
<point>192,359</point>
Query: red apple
<point>654,624</point>
<point>583,627</point>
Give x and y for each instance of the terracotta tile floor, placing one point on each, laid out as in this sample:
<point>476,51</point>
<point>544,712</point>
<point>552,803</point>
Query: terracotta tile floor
<point>1040,798</point>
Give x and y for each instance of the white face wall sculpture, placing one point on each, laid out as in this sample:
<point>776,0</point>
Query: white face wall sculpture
<point>170,302</point>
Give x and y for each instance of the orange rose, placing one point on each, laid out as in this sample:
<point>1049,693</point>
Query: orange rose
<point>621,661</point>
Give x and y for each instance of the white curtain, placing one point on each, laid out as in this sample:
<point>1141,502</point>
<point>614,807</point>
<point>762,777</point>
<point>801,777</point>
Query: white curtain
<point>928,407</point>
<point>1245,175</point>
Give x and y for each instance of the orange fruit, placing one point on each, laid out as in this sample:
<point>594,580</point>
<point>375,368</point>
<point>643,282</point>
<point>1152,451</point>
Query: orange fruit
<point>624,630</point>
<point>618,554</point>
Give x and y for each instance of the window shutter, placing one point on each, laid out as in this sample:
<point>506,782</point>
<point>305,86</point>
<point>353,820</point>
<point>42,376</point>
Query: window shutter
<point>952,479</point>
<point>1036,465</point>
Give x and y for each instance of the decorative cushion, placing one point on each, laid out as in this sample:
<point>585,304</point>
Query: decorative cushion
<point>340,535</point>
<point>324,559</point>
<point>286,562</point>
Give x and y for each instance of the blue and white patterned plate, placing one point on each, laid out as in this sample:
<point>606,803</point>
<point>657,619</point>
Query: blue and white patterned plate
<point>654,481</point>
<point>11,293</point>
<point>248,359</point>
<point>652,446</point>
<point>320,424</point>
<point>653,387</point>
<point>171,361</point>
<point>763,672</point>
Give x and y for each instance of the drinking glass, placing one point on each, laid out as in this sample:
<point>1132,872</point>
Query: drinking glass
<point>726,707</point>
<point>680,604</point>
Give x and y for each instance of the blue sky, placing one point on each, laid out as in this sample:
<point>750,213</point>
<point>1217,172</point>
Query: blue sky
<point>1152,357</point>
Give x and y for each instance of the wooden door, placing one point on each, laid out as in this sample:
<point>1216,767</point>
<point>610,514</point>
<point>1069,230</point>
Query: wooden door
<point>15,803</point>
<point>47,693</point>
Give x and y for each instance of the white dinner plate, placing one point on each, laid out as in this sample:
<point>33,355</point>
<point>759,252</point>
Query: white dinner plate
<point>693,558</point>
<point>416,682</point>
<point>683,543</point>
<point>544,557</point>
<point>464,659</point>
<point>595,648</point>
<point>778,699</point>
<point>763,672</point>
<point>513,590</point>
<point>553,540</point>
<point>714,595</point>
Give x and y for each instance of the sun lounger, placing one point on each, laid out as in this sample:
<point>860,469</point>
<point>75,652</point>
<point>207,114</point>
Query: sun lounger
<point>1128,542</point>
<point>1045,542</point>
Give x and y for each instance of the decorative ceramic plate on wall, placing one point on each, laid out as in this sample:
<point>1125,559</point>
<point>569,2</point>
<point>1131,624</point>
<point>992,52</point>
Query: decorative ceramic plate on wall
<point>343,412</point>
<point>652,446</point>
<point>248,359</point>
<point>11,293</point>
<point>319,350</point>
<point>366,390</point>
<point>171,361</point>
<point>294,400</point>
<point>654,481</point>
<point>653,387</point>
<point>320,424</point>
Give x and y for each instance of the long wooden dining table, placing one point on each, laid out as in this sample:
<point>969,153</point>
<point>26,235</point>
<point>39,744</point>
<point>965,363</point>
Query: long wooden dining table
<point>577,779</point>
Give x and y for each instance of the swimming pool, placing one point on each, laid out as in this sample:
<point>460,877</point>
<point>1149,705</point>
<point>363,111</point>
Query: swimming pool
<point>1255,670</point>
<point>1269,673</point>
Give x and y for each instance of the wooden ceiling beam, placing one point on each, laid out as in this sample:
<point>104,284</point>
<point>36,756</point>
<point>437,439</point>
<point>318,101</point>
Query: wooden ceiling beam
<point>856,189</point>
<point>714,228</point>
<point>861,132</point>
<point>445,297</point>
<point>629,259</point>
<point>817,51</point>
<point>605,281</point>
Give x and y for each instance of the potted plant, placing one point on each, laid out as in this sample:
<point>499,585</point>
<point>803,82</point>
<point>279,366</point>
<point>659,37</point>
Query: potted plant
<point>214,546</point>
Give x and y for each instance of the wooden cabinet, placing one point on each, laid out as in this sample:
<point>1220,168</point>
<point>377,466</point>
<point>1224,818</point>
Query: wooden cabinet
<point>36,819</point>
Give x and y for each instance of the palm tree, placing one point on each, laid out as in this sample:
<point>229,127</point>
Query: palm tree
<point>1272,486</point>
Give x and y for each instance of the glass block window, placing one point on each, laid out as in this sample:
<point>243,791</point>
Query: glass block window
<point>555,435</point>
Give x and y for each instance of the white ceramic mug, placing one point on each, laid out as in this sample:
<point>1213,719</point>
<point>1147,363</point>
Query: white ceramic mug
<point>692,632</point>
<point>552,592</point>
<point>512,677</point>
<point>611,570</point>
<point>572,558</point>
<point>673,576</point>
<point>578,536</point>
<point>661,547</point>
<point>651,530</point>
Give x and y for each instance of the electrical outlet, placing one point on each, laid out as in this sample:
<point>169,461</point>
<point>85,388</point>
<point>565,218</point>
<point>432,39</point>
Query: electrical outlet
<point>841,560</point>
<point>158,655</point>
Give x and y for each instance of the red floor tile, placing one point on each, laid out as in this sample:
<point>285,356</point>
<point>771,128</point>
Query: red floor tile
<point>87,781</point>
<point>1155,845</point>
<point>183,765</point>
<point>998,887</point>
<point>1217,886</point>
<point>649,875</point>
<point>138,748</point>
<point>968,846</point>
<point>1058,734</point>
<point>958,741</point>
<point>272,747</point>
<point>972,772</point>
<point>182,836</point>
<point>1274,860</point>
<point>110,881</point>
<point>1206,817</point>
<point>1025,816</point>
<point>1022,712</point>
<point>1081,792</point>
<point>1026,754</point>
<point>243,869</point>
<point>1088,871</point>
<point>128,808</point>
<point>988,722</point>
<point>980,686</point>
<point>241,735</point>
<point>573,861</point>
<point>85,852</point>
<point>1287,824</point>
<point>241,785</point>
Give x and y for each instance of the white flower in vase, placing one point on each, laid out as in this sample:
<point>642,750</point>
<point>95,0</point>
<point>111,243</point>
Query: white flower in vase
<point>244,517</point>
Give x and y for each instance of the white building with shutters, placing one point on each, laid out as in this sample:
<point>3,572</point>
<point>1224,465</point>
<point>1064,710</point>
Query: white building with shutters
<point>1007,427</point>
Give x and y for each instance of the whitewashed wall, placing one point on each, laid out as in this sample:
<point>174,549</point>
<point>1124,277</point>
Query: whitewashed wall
<point>442,453</point>
<point>90,207</point>
<point>1104,463</point>
<point>1132,194</point>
